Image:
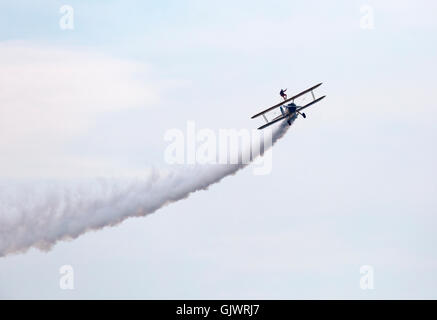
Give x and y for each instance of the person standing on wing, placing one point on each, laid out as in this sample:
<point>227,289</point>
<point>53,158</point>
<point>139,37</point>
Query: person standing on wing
<point>282,93</point>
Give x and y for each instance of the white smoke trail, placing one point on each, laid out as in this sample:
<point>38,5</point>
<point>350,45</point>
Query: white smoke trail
<point>39,215</point>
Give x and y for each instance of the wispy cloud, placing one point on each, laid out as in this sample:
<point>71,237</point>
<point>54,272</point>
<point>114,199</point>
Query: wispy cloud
<point>50,94</point>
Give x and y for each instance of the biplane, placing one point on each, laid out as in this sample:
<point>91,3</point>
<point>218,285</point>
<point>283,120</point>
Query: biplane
<point>289,110</point>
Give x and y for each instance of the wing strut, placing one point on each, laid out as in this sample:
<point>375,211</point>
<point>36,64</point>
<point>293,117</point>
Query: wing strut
<point>311,103</point>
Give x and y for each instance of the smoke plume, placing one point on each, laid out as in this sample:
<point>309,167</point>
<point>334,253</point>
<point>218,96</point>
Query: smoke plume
<point>39,214</point>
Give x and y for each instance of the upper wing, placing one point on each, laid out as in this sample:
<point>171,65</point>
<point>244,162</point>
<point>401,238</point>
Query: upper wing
<point>285,101</point>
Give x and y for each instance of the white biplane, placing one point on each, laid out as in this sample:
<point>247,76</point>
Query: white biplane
<point>290,110</point>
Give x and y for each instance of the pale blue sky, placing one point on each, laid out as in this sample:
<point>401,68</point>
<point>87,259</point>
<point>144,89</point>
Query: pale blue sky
<point>354,184</point>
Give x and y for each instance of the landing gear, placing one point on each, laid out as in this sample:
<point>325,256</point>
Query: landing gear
<point>302,114</point>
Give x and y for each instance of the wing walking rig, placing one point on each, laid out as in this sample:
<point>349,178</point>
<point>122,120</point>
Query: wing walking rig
<point>288,110</point>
